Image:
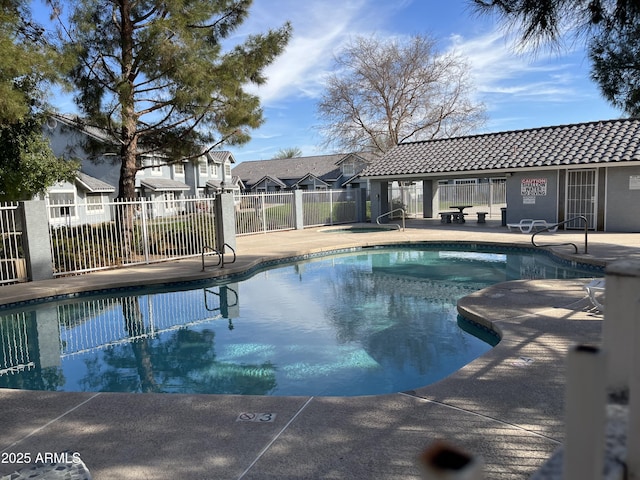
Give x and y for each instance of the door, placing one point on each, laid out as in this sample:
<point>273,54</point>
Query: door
<point>581,197</point>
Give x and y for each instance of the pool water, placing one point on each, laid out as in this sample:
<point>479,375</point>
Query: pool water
<point>371,322</point>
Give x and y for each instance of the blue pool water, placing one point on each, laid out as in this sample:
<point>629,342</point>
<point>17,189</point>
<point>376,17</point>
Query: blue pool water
<point>370,322</point>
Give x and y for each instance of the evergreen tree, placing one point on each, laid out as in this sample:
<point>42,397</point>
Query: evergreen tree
<point>609,29</point>
<point>27,164</point>
<point>160,78</point>
<point>616,66</point>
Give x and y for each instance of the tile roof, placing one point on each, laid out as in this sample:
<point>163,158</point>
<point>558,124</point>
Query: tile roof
<point>611,141</point>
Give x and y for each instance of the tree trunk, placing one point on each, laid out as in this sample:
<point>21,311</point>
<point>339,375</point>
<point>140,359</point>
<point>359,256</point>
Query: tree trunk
<point>129,134</point>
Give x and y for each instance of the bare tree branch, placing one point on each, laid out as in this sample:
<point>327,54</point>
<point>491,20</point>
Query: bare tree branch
<point>386,92</point>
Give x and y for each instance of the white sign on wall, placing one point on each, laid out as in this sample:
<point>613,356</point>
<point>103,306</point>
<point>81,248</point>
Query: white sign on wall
<point>634,182</point>
<point>533,187</point>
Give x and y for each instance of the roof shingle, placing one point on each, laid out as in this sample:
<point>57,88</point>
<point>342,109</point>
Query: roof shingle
<point>290,170</point>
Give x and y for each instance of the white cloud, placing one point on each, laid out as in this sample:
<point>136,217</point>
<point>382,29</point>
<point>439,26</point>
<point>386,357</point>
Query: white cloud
<point>320,29</point>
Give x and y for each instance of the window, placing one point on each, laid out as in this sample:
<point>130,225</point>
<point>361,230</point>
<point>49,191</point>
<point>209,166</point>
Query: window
<point>62,204</point>
<point>156,168</point>
<point>465,181</point>
<point>203,168</point>
<point>178,169</point>
<point>349,169</point>
<point>169,201</point>
<point>94,203</point>
<point>227,170</point>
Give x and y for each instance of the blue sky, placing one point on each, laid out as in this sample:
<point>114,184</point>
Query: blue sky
<point>519,90</point>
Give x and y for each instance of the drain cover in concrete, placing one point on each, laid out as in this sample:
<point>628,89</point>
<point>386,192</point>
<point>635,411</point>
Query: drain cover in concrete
<point>256,417</point>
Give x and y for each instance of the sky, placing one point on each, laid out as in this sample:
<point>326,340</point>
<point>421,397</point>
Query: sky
<point>519,90</point>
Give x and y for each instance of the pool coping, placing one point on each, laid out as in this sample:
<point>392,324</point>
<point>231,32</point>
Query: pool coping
<point>500,407</point>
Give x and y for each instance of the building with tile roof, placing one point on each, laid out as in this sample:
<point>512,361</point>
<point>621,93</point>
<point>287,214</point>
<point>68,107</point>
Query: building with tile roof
<point>320,172</point>
<point>553,173</point>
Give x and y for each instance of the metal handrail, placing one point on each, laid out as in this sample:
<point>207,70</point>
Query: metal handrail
<point>212,250</point>
<point>389,213</point>
<point>221,261</point>
<point>556,225</point>
<point>234,255</point>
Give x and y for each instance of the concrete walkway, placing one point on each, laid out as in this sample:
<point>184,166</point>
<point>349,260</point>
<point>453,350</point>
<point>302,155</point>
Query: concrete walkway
<point>506,407</point>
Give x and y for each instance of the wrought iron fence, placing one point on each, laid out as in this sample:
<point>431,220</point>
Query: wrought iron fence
<point>104,322</point>
<point>15,354</point>
<point>490,196</point>
<point>88,237</point>
<point>328,207</point>
<point>12,263</point>
<point>265,212</point>
<point>408,197</point>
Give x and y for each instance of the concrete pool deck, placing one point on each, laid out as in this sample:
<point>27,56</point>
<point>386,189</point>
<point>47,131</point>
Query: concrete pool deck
<point>506,407</point>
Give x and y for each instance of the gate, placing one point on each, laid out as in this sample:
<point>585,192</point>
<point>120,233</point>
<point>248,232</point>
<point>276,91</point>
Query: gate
<point>581,197</point>
<point>12,263</point>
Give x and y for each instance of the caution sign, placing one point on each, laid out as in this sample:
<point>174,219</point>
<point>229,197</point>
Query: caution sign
<point>533,187</point>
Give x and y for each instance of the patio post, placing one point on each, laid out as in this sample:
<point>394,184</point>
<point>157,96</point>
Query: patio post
<point>225,221</point>
<point>36,240</point>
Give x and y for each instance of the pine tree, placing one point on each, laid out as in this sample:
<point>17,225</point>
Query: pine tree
<point>161,78</point>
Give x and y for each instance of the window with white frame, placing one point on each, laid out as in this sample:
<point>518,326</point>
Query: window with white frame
<point>178,169</point>
<point>156,166</point>
<point>227,170</point>
<point>94,203</point>
<point>203,168</point>
<point>62,204</point>
<point>465,181</point>
<point>169,200</point>
<point>349,168</point>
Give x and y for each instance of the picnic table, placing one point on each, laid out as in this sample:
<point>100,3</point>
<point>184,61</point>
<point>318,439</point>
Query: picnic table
<point>458,217</point>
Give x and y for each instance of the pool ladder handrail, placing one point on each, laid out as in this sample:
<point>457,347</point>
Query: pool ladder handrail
<point>221,261</point>
<point>391,212</point>
<point>556,225</point>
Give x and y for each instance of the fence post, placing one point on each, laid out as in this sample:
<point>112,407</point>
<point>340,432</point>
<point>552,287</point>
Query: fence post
<point>622,293</point>
<point>585,414</point>
<point>263,211</point>
<point>330,207</point>
<point>620,332</point>
<point>144,205</point>
<point>225,221</point>
<point>36,239</point>
<point>298,210</point>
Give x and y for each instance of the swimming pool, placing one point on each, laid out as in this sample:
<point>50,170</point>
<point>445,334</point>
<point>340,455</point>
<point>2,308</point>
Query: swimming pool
<point>369,321</point>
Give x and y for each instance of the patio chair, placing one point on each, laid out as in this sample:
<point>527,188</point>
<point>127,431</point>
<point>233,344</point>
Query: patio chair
<point>596,288</point>
<point>526,225</point>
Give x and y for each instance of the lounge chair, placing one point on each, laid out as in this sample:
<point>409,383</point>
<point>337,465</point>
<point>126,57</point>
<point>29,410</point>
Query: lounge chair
<point>596,288</point>
<point>526,225</point>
